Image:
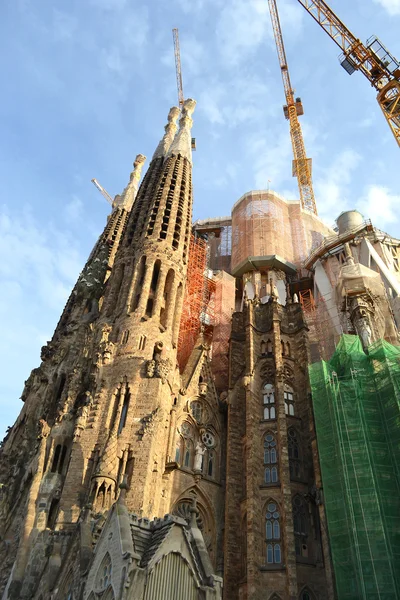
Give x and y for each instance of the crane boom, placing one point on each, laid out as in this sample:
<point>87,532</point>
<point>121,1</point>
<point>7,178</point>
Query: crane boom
<point>178,67</point>
<point>102,191</point>
<point>292,110</point>
<point>376,63</point>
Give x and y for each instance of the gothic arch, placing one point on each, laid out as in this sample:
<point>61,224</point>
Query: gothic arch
<point>274,597</point>
<point>307,594</point>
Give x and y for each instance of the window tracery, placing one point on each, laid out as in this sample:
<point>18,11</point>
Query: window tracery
<point>273,534</point>
<point>270,459</point>
<point>103,577</point>
<point>288,396</point>
<point>269,401</point>
<point>196,409</point>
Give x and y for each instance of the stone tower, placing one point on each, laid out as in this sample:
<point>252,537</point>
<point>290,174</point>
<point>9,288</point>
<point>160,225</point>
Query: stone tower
<point>108,406</point>
<point>272,469</point>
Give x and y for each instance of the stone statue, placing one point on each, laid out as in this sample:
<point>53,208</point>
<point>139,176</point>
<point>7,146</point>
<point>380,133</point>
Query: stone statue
<point>198,458</point>
<point>295,298</point>
<point>365,332</point>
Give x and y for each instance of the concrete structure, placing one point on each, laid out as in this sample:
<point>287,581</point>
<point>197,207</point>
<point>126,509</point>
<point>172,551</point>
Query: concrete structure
<point>113,436</point>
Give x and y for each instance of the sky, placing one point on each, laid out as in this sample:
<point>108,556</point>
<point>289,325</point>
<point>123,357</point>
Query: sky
<point>87,85</point>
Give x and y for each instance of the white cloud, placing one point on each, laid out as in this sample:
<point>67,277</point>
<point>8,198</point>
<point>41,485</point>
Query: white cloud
<point>244,25</point>
<point>391,6</point>
<point>271,157</point>
<point>380,205</point>
<point>332,185</point>
<point>73,210</point>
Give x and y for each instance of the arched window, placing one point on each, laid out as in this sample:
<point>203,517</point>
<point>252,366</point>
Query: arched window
<point>294,454</point>
<point>196,409</point>
<point>142,342</point>
<point>289,400</point>
<point>300,526</point>
<point>270,459</point>
<point>59,459</point>
<point>103,576</point>
<point>269,401</point>
<point>266,347</point>
<point>124,412</point>
<point>283,348</point>
<point>184,452</point>
<point>273,534</point>
<point>306,595</point>
<point>210,463</point>
<point>288,350</point>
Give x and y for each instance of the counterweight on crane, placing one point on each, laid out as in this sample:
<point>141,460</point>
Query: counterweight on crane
<point>178,67</point>
<point>373,60</point>
<point>292,110</point>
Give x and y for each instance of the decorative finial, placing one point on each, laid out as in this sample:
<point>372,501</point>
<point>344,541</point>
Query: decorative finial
<point>128,196</point>
<point>170,131</point>
<point>182,143</point>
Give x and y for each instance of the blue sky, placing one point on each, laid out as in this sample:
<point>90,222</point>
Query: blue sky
<point>87,84</point>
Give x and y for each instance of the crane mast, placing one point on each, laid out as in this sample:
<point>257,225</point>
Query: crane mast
<point>292,110</point>
<point>376,63</point>
<point>178,67</point>
<point>102,191</point>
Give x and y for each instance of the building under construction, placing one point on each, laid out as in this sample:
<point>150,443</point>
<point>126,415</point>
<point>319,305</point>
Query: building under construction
<point>217,414</point>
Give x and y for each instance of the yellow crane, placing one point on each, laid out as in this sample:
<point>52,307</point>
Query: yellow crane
<point>292,110</point>
<point>380,67</point>
<point>178,69</point>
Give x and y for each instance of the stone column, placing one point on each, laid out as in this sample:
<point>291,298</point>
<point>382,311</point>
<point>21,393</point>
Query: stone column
<point>287,530</point>
<point>159,295</point>
<point>144,295</point>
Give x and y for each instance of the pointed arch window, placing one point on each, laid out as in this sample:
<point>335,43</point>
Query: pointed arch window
<point>300,526</point>
<point>196,409</point>
<point>269,402</point>
<point>270,459</point>
<point>103,576</point>
<point>288,396</point>
<point>294,454</point>
<point>306,595</point>
<point>273,534</point>
<point>184,452</point>
<point>124,412</point>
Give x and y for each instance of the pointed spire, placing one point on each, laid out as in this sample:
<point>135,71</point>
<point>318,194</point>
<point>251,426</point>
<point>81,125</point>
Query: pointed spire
<point>170,131</point>
<point>128,196</point>
<point>182,143</point>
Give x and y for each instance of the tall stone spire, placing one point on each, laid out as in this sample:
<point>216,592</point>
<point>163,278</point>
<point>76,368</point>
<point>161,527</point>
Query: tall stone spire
<point>128,196</point>
<point>170,131</point>
<point>182,143</point>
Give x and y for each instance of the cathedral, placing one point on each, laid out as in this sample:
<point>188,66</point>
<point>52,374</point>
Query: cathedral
<point>217,413</point>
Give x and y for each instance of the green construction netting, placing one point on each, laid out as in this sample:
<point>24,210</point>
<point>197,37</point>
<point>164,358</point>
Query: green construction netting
<point>356,398</point>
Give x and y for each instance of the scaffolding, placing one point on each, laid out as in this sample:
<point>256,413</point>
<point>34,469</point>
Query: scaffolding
<point>322,333</point>
<point>266,224</point>
<point>224,307</point>
<point>356,399</point>
<point>198,306</point>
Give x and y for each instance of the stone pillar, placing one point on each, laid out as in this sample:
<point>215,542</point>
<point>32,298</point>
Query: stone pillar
<point>146,287</point>
<point>159,294</point>
<point>287,516</point>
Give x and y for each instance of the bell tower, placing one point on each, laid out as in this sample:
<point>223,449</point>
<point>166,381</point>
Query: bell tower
<point>97,410</point>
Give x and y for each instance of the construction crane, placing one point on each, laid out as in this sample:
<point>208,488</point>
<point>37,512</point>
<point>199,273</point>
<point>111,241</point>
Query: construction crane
<point>178,67</point>
<point>380,67</point>
<point>102,191</point>
<point>292,110</point>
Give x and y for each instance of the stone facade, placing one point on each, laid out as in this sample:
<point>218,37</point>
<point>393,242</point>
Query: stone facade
<point>124,478</point>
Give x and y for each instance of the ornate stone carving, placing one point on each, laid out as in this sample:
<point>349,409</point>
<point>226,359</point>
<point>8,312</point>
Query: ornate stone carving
<point>148,422</point>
